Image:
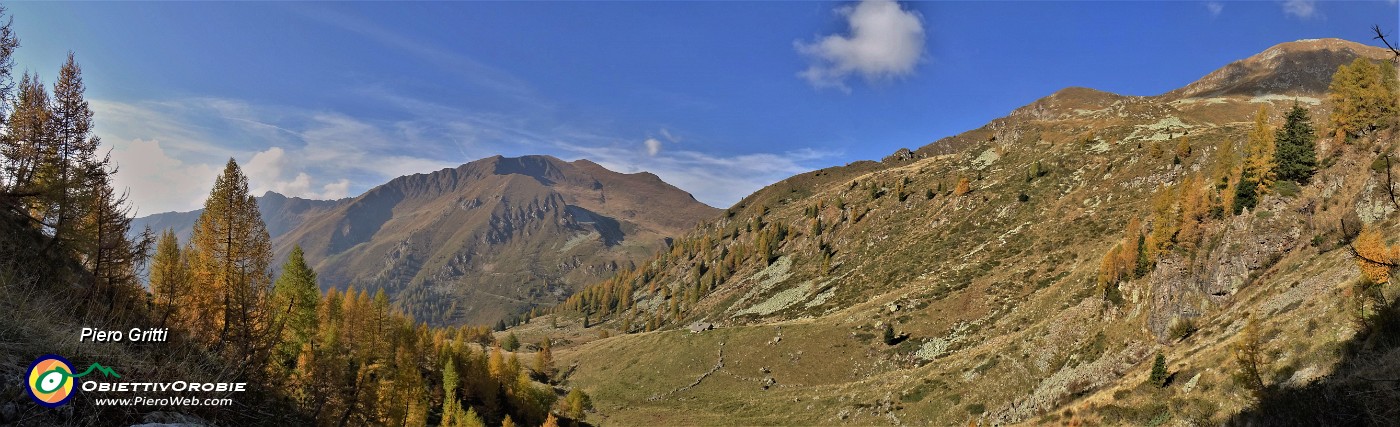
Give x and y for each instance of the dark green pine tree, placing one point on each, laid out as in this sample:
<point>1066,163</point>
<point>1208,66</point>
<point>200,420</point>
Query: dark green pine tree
<point>1159,371</point>
<point>294,299</point>
<point>1296,157</point>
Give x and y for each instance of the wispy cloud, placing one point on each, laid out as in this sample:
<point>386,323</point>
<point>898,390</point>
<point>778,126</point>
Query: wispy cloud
<point>1302,9</point>
<point>716,180</point>
<point>469,69</point>
<point>1215,8</point>
<point>653,146</point>
<point>170,151</point>
<point>885,41</point>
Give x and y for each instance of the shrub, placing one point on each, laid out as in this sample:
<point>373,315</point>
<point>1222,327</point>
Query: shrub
<point>1287,188</point>
<point>1180,328</point>
<point>976,408</point>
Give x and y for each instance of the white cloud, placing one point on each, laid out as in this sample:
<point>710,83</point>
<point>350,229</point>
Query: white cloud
<point>1300,8</point>
<point>715,180</point>
<point>885,41</point>
<point>1215,8</point>
<point>157,182</point>
<point>336,190</point>
<point>653,146</point>
<point>266,166</point>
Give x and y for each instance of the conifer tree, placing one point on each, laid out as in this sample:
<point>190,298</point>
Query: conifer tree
<point>1363,97</point>
<point>8,43</point>
<point>170,276</point>
<point>1249,357</point>
<point>232,254</point>
<point>551,421</point>
<point>1258,176</point>
<point>294,299</point>
<point>510,342</point>
<point>544,359</point>
<point>1159,371</point>
<point>964,187</point>
<point>28,146</point>
<point>576,404</point>
<point>1296,157</point>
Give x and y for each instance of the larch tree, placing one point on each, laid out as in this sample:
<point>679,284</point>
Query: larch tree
<point>169,277</point>
<point>964,187</point>
<point>1363,97</point>
<point>232,255</point>
<point>1258,176</point>
<point>70,160</point>
<point>27,146</point>
<point>550,421</point>
<point>544,359</point>
<point>1375,259</point>
<point>577,404</point>
<point>1249,357</point>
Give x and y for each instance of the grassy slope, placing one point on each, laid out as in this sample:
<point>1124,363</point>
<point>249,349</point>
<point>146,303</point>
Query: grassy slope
<point>1005,288</point>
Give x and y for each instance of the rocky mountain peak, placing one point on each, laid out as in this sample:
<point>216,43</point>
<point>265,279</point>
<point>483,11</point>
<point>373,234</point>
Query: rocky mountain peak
<point>1302,67</point>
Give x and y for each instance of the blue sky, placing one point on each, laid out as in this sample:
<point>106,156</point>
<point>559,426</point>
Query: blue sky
<point>326,100</point>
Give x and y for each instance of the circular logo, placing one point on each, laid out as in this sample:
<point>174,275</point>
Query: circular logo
<point>50,380</point>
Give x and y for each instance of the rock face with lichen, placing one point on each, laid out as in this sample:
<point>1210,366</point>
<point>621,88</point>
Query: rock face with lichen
<point>1250,244</point>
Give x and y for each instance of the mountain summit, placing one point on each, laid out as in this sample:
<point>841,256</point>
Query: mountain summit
<point>1032,270</point>
<point>485,240</point>
<point>1302,67</point>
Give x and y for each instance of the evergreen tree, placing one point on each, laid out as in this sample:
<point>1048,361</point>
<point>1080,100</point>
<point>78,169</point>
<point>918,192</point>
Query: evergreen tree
<point>551,421</point>
<point>510,342</point>
<point>294,299</point>
<point>1296,157</point>
<point>1159,371</point>
<point>889,336</point>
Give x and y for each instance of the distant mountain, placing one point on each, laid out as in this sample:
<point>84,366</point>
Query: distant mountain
<point>486,240</point>
<point>1300,67</point>
<point>876,293</point>
<point>281,213</point>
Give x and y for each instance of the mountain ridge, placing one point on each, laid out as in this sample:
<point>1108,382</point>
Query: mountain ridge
<point>482,241</point>
<point>978,257</point>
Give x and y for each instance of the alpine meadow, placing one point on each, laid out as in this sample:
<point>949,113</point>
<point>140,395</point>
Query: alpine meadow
<point>670,214</point>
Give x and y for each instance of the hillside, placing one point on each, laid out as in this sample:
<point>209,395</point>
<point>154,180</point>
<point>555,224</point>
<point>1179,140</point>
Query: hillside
<point>487,240</point>
<point>992,290</point>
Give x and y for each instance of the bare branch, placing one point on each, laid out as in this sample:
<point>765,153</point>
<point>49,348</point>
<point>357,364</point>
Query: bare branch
<point>1381,36</point>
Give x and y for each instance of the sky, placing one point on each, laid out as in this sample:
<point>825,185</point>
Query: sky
<point>327,100</point>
